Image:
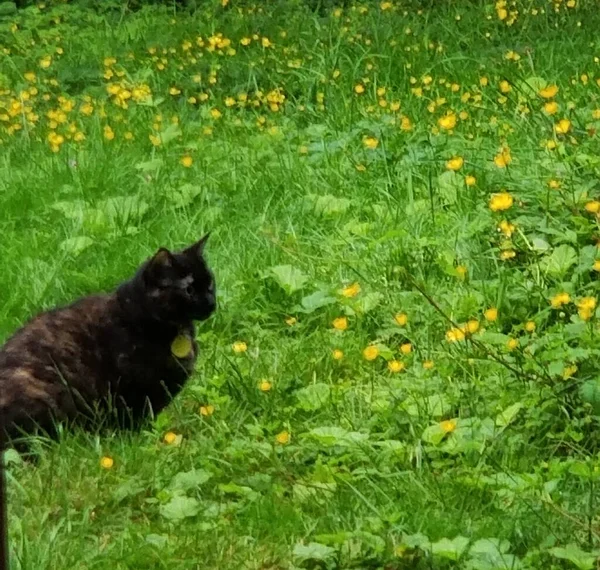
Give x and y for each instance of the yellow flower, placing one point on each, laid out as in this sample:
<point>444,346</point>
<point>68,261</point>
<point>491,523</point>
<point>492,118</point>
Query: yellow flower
<point>562,127</point>
<point>266,42</point>
<point>401,319</point>
<point>216,114</point>
<point>472,326</point>
<point>291,321</point>
<point>551,107</point>
<point>461,272</point>
<point>265,386</point>
<point>239,347</point>
<point>208,410</point>
<point>470,180</point>
<point>370,142</point>
<point>174,91</point>
<point>491,314</point>
<point>500,201</point>
<point>337,354</point>
<point>109,134</point>
<point>512,343</point>
<point>448,121</point>
<point>340,324</point>
<point>503,158</point>
<point>455,163</point>
<point>586,307</point>
<point>596,266</point>
<point>428,364</point>
<point>107,462</point>
<point>406,348</point>
<point>283,438</point>
<point>568,371</point>
<point>505,87</point>
<point>593,207</point>
<point>548,92</point>
<point>448,426</point>
<point>351,290</point>
<point>506,228</point>
<point>370,353</point>
<point>508,254</point>
<point>554,184</point>
<point>29,76</point>
<point>46,62</point>
<point>170,437</point>
<point>395,366</point>
<point>530,326</point>
<point>455,335</point>
<point>186,161</point>
<point>406,124</point>
<point>359,88</point>
<point>559,300</point>
<point>246,41</point>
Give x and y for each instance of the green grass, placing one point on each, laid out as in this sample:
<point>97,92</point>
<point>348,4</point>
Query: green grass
<point>488,459</point>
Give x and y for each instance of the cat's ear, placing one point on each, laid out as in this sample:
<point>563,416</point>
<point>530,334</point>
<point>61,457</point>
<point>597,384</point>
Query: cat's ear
<point>198,248</point>
<point>160,267</point>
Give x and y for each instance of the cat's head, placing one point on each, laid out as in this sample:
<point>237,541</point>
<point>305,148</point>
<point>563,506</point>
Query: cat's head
<point>178,286</point>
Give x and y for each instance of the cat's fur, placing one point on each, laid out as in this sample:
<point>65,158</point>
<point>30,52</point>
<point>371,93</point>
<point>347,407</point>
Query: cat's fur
<point>108,357</point>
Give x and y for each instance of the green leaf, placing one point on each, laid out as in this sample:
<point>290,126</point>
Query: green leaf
<point>508,415</point>
<point>433,434</point>
<point>187,480</point>
<point>315,301</point>
<point>530,87</point>
<point>450,549</point>
<point>76,245</point>
<point>557,263</point>
<point>170,133</point>
<point>335,435</point>
<point>313,397</point>
<point>124,210</point>
<point>288,277</point>
<point>366,303</point>
<point>129,488</point>
<point>579,558</point>
<point>450,184</point>
<point>313,551</point>
<point>328,205</point>
<point>184,195</point>
<point>150,165</point>
<point>589,392</point>
<point>179,508</point>
<point>158,540</point>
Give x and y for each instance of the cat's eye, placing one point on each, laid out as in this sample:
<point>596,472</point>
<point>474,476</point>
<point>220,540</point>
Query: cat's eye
<point>189,290</point>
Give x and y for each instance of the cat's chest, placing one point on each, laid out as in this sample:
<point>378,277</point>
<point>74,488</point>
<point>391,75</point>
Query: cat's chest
<point>171,355</point>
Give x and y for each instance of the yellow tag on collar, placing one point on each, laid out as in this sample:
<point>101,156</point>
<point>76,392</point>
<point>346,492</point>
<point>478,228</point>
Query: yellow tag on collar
<point>181,347</point>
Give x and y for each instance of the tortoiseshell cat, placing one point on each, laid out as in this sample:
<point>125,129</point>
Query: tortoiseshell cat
<point>117,357</point>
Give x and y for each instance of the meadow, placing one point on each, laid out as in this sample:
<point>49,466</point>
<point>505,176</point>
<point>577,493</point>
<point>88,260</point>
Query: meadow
<point>404,200</point>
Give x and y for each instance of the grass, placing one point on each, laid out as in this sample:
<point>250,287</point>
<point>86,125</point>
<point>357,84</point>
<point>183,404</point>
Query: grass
<point>403,169</point>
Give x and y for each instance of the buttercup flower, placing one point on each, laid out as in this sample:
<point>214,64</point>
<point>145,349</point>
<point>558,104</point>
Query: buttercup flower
<point>283,438</point>
<point>500,201</point>
<point>351,290</point>
<point>395,366</point>
<point>559,300</point>
<point>107,462</point>
<point>370,353</point>
<point>448,426</point>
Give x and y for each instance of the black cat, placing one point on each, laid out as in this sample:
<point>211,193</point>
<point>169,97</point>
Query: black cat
<point>114,358</point>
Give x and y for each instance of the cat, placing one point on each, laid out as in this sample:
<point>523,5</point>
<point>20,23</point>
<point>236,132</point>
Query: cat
<point>111,359</point>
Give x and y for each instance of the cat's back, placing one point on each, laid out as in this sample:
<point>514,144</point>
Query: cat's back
<point>60,331</point>
<point>49,358</point>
